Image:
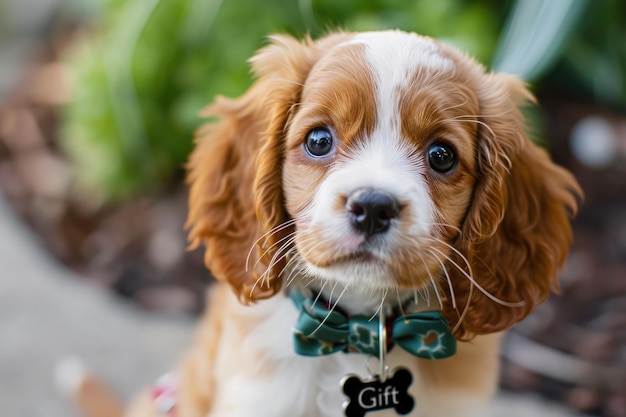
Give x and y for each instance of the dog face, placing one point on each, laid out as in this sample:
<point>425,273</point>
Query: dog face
<point>379,162</point>
<point>382,161</point>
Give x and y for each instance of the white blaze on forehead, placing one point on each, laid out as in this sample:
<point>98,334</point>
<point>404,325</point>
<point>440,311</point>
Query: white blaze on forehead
<point>393,58</point>
<point>394,54</point>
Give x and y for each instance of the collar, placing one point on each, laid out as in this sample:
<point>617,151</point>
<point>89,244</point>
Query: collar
<point>322,331</point>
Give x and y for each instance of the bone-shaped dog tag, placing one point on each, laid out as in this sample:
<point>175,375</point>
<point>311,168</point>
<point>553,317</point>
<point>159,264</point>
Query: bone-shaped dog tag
<point>375,394</point>
<point>380,392</point>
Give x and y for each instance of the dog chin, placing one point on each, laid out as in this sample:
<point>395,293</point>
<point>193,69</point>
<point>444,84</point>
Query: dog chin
<point>355,275</point>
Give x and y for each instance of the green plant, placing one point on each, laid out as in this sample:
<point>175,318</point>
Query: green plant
<point>148,67</point>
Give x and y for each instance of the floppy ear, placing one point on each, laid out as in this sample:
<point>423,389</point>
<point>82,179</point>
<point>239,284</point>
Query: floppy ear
<point>517,232</point>
<point>236,200</point>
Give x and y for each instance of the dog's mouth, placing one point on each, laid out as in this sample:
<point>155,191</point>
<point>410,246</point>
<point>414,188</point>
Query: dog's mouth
<point>346,249</point>
<point>367,254</point>
<point>362,257</point>
<point>375,263</point>
<point>362,265</point>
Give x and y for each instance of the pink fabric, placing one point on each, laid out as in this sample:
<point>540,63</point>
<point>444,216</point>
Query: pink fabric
<point>165,394</point>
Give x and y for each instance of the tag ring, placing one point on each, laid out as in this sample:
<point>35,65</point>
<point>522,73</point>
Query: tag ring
<point>382,344</point>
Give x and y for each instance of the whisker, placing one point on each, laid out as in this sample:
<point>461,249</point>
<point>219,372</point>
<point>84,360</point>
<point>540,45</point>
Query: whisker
<point>259,280</point>
<point>273,230</point>
<point>435,288</point>
<point>455,250</point>
<point>402,312</point>
<point>338,298</point>
<point>439,300</point>
<point>281,253</point>
<point>380,307</point>
<point>294,271</point>
<point>465,309</point>
<point>445,271</point>
<point>424,294</point>
<point>290,237</point>
<point>421,293</point>
<point>480,288</point>
<point>332,308</point>
<point>332,291</point>
<point>319,294</point>
<point>275,259</point>
<point>311,280</point>
<point>300,269</point>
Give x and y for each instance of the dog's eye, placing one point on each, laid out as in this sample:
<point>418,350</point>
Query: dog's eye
<point>441,158</point>
<point>319,142</point>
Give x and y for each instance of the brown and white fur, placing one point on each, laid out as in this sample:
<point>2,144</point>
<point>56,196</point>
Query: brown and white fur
<point>481,241</point>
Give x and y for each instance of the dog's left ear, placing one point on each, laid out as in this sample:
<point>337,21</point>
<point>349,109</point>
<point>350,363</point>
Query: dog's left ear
<point>236,202</point>
<point>517,232</point>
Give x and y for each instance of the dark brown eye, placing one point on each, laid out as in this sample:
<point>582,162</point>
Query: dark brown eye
<point>319,142</point>
<point>441,158</point>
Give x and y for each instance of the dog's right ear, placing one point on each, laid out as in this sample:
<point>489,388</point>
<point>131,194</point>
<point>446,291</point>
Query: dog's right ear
<point>236,200</point>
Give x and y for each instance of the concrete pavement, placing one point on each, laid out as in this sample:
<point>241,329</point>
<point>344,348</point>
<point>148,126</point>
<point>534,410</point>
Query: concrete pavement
<point>47,313</point>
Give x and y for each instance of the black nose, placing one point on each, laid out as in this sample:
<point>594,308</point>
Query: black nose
<point>371,210</point>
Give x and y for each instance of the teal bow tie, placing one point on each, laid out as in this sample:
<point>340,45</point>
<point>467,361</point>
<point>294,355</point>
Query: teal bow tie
<point>320,331</point>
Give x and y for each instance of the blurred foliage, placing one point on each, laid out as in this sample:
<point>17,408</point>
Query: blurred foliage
<point>534,36</point>
<point>594,62</point>
<point>147,67</point>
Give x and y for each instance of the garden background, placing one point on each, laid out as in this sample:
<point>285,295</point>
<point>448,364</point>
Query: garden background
<point>98,103</point>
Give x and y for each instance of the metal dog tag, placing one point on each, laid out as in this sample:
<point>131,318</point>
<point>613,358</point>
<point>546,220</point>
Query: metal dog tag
<point>378,392</point>
<point>376,395</point>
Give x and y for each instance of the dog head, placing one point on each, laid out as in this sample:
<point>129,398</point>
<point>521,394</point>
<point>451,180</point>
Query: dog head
<point>382,160</point>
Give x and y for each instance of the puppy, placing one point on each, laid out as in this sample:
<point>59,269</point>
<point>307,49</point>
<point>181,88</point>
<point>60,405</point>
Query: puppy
<point>373,175</point>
